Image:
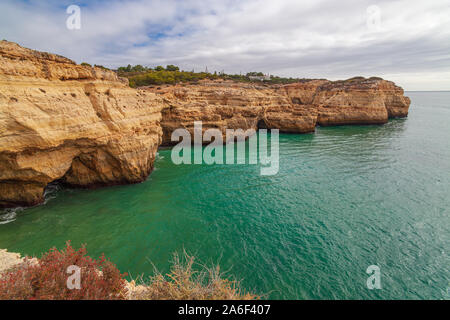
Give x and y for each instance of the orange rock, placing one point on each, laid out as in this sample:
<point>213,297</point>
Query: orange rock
<point>87,127</point>
<point>59,120</point>
<point>293,108</point>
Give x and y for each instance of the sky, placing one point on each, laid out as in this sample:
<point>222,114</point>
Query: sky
<point>406,41</point>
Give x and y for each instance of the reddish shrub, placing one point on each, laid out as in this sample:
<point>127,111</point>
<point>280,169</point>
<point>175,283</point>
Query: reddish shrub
<point>46,279</point>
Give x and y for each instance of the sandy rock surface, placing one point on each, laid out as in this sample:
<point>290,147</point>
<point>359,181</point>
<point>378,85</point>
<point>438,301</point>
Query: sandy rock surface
<point>86,127</point>
<point>9,260</point>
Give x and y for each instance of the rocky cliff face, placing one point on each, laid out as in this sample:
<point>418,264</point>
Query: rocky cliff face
<point>293,108</point>
<point>219,105</point>
<point>359,101</point>
<point>62,121</point>
<point>86,127</point>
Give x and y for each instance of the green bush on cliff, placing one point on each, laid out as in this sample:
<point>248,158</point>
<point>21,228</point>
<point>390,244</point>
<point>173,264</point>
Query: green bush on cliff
<point>171,67</point>
<point>101,67</point>
<point>139,76</point>
<point>155,77</point>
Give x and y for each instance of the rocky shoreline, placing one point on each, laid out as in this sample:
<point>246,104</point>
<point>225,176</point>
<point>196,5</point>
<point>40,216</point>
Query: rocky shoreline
<point>9,260</point>
<point>85,127</point>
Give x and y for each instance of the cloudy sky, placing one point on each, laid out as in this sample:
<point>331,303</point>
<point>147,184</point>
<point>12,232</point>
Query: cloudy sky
<point>407,41</point>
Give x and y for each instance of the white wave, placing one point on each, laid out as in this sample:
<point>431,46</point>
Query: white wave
<point>9,215</point>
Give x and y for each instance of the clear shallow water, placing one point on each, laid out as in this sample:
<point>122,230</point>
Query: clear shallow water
<point>345,198</point>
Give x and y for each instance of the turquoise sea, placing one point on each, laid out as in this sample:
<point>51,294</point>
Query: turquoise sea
<point>345,198</point>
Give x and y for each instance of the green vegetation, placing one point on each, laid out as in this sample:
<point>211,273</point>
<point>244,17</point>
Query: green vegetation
<point>101,67</point>
<point>255,74</point>
<point>85,64</point>
<point>130,69</point>
<point>154,77</point>
<point>171,67</point>
<point>139,76</point>
<point>353,81</point>
<point>359,78</point>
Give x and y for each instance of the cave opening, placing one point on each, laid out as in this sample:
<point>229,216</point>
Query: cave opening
<point>262,124</point>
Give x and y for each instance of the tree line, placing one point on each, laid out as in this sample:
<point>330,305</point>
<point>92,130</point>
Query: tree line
<point>139,76</point>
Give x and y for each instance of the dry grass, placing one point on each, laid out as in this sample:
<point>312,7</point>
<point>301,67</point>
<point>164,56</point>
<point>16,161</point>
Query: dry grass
<point>46,279</point>
<point>184,282</point>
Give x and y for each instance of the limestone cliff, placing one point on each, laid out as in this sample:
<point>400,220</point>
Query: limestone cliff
<point>293,108</point>
<point>86,127</point>
<point>62,121</point>
<point>359,101</point>
<point>218,105</point>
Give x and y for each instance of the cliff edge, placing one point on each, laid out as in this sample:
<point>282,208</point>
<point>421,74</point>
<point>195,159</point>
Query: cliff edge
<point>86,127</point>
<point>293,108</point>
<point>78,124</point>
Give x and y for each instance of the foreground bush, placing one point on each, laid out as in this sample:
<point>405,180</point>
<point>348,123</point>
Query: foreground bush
<point>185,283</point>
<point>46,279</point>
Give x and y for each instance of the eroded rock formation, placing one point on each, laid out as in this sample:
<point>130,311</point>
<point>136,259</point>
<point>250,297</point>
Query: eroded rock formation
<point>86,127</point>
<point>293,108</point>
<point>62,121</point>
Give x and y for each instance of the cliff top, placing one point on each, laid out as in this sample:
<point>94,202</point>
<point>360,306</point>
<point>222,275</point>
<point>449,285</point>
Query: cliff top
<point>17,61</point>
<point>13,50</point>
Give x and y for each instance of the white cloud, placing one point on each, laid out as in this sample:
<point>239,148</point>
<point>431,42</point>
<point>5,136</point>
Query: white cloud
<point>321,39</point>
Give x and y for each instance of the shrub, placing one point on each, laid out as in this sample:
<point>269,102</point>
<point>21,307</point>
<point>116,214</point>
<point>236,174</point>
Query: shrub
<point>154,77</point>
<point>257,74</point>
<point>46,279</point>
<point>139,76</point>
<point>85,64</point>
<point>359,78</point>
<point>185,283</point>
<point>100,66</point>
<point>124,69</point>
<point>171,67</point>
